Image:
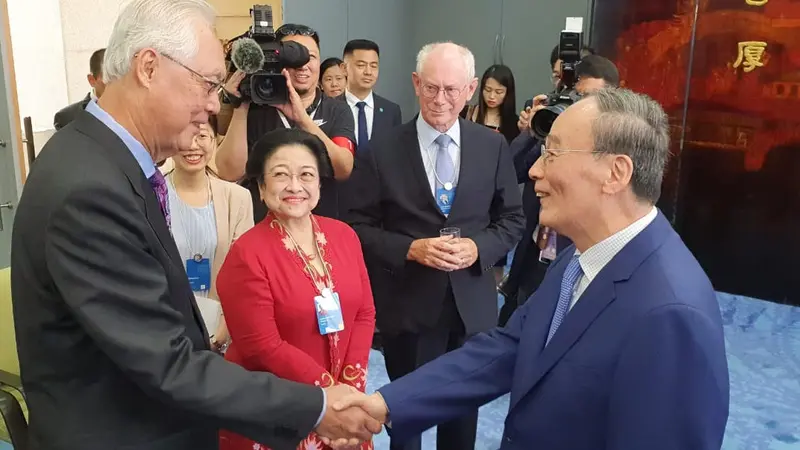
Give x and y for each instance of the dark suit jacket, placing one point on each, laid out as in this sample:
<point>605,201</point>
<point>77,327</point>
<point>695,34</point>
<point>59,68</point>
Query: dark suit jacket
<point>69,113</point>
<point>387,115</point>
<point>394,206</point>
<point>113,351</point>
<point>638,363</point>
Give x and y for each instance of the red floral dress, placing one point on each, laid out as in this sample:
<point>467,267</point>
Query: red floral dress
<point>267,293</point>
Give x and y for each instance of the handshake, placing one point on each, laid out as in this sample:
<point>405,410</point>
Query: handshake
<point>351,417</point>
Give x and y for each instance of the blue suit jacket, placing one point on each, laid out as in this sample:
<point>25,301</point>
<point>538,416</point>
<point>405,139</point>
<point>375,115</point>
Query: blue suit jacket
<point>638,363</point>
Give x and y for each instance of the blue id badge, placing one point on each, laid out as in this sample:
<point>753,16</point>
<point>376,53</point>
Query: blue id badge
<point>199,271</point>
<point>444,199</point>
<point>329,312</point>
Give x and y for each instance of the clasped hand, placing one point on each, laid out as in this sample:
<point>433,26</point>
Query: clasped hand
<point>444,253</point>
<point>351,417</point>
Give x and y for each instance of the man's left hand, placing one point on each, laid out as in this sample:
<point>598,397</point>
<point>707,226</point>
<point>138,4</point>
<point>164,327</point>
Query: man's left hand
<point>294,110</point>
<point>466,250</point>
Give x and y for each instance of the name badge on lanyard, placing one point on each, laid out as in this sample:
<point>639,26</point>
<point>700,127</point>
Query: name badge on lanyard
<point>444,197</point>
<point>329,312</point>
<point>199,271</point>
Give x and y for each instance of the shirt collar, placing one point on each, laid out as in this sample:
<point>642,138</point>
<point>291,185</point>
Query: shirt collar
<point>352,100</point>
<point>428,134</point>
<point>135,147</point>
<point>596,257</point>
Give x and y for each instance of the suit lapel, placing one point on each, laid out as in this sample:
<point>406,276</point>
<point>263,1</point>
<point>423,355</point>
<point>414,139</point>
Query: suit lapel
<point>411,142</point>
<point>94,128</point>
<point>379,118</point>
<point>597,297</point>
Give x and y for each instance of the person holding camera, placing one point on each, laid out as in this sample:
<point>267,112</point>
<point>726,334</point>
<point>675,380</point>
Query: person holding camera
<point>307,109</point>
<point>527,270</point>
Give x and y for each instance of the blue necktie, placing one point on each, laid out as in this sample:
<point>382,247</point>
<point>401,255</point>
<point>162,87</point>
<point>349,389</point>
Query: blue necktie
<point>444,163</point>
<point>568,281</point>
<point>363,133</point>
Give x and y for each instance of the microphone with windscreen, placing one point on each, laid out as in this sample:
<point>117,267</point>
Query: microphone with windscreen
<point>247,55</point>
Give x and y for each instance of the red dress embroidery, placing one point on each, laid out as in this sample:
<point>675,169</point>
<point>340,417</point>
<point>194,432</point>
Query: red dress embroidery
<point>267,294</point>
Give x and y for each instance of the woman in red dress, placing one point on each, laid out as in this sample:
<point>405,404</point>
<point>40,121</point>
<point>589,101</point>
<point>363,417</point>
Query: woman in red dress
<point>294,289</point>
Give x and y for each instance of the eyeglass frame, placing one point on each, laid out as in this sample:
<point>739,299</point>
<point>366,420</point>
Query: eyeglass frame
<point>215,87</point>
<point>423,85</point>
<point>548,154</point>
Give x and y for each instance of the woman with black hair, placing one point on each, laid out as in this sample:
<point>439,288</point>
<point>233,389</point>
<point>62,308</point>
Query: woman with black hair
<point>496,109</point>
<point>497,106</point>
<point>207,214</point>
<point>332,77</point>
<point>294,289</point>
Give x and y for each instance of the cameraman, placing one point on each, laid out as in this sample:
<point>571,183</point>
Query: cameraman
<point>308,109</point>
<point>592,73</point>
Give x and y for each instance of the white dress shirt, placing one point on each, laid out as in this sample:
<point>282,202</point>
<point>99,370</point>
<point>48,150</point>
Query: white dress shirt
<point>596,257</point>
<point>369,110</point>
<point>427,136</point>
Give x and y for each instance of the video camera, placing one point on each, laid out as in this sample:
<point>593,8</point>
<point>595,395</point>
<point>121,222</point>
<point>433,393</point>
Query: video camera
<point>260,55</point>
<point>569,52</point>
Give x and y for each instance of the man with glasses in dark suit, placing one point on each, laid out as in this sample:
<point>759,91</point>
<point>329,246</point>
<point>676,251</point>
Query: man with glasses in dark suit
<point>308,109</point>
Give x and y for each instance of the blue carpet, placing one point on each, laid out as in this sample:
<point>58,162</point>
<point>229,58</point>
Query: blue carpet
<point>763,344</point>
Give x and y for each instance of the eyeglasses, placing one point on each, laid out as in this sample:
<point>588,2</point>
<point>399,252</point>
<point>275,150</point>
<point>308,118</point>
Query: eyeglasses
<point>214,86</point>
<point>295,30</point>
<point>451,93</point>
<point>548,154</point>
<point>285,177</point>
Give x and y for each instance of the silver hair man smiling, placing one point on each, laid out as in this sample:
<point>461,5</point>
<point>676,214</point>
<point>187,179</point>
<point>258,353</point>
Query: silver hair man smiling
<point>113,350</point>
<point>621,346</point>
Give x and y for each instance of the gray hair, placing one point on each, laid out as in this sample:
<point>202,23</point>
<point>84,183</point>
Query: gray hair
<point>635,125</point>
<point>464,52</point>
<point>168,26</point>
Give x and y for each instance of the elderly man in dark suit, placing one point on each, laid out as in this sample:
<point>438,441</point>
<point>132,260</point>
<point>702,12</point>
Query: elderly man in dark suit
<point>95,78</point>
<point>113,350</point>
<point>622,345</point>
<point>437,171</point>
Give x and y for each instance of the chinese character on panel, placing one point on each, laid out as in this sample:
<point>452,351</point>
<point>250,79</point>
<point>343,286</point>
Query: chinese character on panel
<point>750,54</point>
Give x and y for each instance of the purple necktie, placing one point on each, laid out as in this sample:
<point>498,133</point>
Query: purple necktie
<point>159,184</point>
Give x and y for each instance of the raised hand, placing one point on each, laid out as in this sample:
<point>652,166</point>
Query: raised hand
<point>345,428</point>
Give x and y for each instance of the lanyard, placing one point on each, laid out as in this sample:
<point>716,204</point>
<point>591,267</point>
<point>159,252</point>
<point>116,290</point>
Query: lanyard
<point>427,151</point>
<point>286,121</point>
<point>310,268</point>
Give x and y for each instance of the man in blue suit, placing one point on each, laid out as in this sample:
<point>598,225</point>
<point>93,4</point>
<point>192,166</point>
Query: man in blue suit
<point>621,347</point>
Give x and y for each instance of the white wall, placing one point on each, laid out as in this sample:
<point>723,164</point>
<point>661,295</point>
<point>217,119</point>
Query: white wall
<point>38,59</point>
<point>86,27</point>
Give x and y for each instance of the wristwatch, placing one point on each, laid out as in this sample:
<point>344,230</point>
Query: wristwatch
<point>218,346</point>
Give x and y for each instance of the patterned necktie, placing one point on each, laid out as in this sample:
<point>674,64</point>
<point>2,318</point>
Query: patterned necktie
<point>571,276</point>
<point>444,163</point>
<point>363,133</point>
<point>159,184</point>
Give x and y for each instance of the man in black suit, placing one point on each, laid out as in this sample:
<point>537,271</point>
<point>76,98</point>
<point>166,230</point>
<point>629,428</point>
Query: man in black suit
<point>113,350</point>
<point>434,172</point>
<point>373,115</point>
<point>95,78</point>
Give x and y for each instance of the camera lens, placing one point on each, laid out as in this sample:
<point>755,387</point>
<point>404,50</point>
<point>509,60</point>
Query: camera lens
<point>543,120</point>
<point>263,88</point>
